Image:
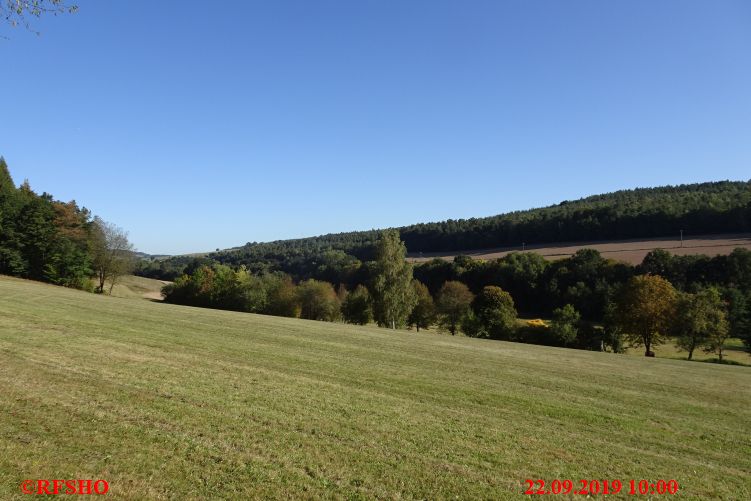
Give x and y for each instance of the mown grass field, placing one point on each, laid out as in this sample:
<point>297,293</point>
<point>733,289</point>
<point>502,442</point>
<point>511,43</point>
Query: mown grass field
<point>734,352</point>
<point>171,402</point>
<point>131,286</point>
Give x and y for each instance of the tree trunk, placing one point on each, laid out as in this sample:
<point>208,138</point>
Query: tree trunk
<point>691,350</point>
<point>719,352</point>
<point>647,345</point>
<point>417,325</point>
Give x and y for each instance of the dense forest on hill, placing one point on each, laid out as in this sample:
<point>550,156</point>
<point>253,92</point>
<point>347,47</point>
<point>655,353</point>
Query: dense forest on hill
<point>718,207</point>
<point>58,242</point>
<point>42,238</point>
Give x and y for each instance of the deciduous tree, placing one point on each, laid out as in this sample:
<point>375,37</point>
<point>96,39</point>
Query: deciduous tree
<point>423,314</point>
<point>356,307</point>
<point>317,300</point>
<point>112,252</point>
<point>454,300</point>
<point>393,294</point>
<point>645,310</point>
<point>494,314</point>
<point>698,316</point>
<point>17,12</point>
<point>565,324</point>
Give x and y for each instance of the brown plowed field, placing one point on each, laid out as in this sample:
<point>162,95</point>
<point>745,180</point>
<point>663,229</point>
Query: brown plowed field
<point>629,251</point>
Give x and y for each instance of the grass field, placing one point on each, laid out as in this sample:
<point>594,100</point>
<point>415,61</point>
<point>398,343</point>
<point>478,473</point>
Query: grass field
<point>171,402</point>
<point>131,286</point>
<point>629,251</point>
<point>734,352</point>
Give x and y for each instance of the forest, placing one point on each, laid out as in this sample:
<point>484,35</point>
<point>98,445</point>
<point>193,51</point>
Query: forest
<point>705,208</point>
<point>58,242</point>
<point>592,302</point>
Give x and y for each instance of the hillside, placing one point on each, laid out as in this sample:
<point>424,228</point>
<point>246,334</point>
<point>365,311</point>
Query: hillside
<point>643,213</point>
<point>166,401</point>
<point>131,286</point>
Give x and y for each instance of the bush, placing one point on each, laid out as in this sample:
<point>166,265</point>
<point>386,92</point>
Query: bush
<point>356,307</point>
<point>565,325</point>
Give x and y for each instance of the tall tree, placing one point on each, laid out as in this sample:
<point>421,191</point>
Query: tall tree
<point>454,300</point>
<point>645,310</point>
<point>698,317</point>
<point>12,261</point>
<point>423,314</point>
<point>739,314</point>
<point>112,253</point>
<point>711,321</point>
<point>393,294</point>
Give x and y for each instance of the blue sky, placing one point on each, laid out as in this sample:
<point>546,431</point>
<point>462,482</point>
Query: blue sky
<point>197,125</point>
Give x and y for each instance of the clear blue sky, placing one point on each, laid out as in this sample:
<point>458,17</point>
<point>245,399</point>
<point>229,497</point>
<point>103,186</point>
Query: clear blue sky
<point>197,125</point>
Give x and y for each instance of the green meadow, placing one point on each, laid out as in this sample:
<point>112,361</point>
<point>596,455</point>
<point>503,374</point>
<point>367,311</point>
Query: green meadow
<point>173,402</point>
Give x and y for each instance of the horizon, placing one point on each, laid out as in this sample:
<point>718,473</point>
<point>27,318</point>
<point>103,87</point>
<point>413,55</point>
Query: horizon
<point>687,236</point>
<point>284,121</point>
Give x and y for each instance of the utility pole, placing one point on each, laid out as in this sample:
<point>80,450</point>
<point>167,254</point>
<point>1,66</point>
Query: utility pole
<point>524,245</point>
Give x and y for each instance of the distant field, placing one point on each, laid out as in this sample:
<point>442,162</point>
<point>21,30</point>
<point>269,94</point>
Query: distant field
<point>172,402</point>
<point>132,286</point>
<point>629,251</point>
<point>734,352</point>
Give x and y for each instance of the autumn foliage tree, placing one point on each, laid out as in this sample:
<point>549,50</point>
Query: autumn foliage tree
<point>645,310</point>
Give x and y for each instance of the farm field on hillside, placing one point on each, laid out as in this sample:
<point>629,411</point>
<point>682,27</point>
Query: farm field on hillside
<point>173,402</point>
<point>629,251</point>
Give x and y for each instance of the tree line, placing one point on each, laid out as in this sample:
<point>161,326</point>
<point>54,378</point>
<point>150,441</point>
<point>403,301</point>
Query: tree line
<point>593,303</point>
<point>58,242</point>
<point>718,207</point>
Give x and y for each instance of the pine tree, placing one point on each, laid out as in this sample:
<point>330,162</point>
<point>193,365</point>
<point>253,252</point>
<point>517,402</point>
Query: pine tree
<point>11,258</point>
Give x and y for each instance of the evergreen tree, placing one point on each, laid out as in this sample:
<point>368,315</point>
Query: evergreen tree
<point>12,261</point>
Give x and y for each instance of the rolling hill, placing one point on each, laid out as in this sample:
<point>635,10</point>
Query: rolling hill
<point>172,402</point>
<point>641,214</point>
